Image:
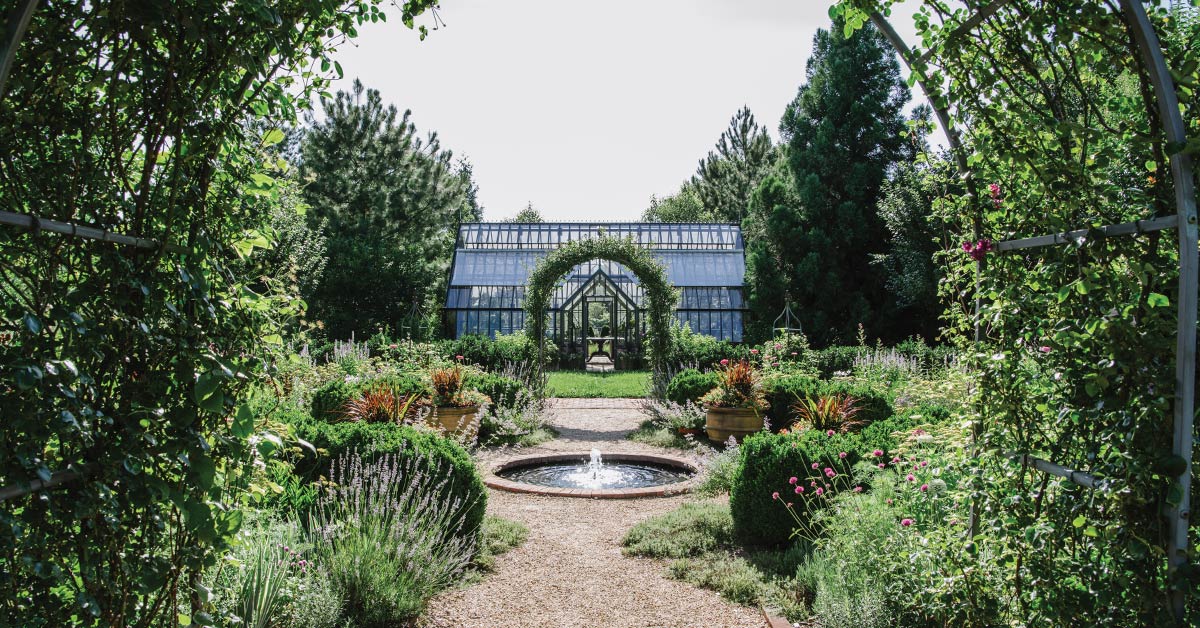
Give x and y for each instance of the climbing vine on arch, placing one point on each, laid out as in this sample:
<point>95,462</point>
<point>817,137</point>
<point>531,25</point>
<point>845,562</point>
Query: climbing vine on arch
<point>660,295</point>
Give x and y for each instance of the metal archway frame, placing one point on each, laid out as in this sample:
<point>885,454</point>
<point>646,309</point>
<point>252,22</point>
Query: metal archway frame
<point>1184,221</point>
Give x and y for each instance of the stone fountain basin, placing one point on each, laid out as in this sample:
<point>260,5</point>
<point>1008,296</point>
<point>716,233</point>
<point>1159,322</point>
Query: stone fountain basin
<point>494,480</point>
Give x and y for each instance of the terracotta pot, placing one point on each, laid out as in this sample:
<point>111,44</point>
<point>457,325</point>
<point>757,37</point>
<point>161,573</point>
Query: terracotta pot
<point>736,422</point>
<point>453,420</point>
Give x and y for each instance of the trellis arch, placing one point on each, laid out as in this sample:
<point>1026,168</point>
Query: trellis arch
<point>1036,32</point>
<point>660,294</point>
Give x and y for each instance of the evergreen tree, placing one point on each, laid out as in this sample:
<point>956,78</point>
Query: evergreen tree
<point>843,133</point>
<point>682,206</point>
<point>728,176</point>
<point>388,201</point>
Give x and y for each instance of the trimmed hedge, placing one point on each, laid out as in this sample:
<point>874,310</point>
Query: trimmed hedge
<point>505,392</point>
<point>766,462</point>
<point>690,385</point>
<point>372,440</point>
<point>785,391</point>
<point>329,400</point>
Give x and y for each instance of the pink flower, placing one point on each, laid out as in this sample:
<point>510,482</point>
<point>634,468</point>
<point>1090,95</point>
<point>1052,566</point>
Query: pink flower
<point>877,453</point>
<point>924,487</point>
<point>858,489</point>
<point>789,504</point>
<point>895,458</point>
<point>842,455</point>
<point>820,491</point>
<point>906,522</point>
<point>391,346</point>
<point>792,480</point>
<point>778,346</point>
<point>816,465</point>
<point>924,463</point>
<point>829,433</point>
<point>829,473</point>
<point>754,352</point>
<point>1044,349</point>
<point>889,502</point>
<point>794,353</point>
<point>910,477</point>
<point>918,432</point>
<point>725,362</point>
<point>458,357</point>
<point>880,465</point>
<point>775,495</point>
<point>799,489</point>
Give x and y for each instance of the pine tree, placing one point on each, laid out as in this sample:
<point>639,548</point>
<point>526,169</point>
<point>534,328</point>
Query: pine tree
<point>728,176</point>
<point>529,214</point>
<point>388,201</point>
<point>842,135</point>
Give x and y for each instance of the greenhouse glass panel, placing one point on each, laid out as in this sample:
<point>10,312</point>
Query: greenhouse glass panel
<point>599,303</point>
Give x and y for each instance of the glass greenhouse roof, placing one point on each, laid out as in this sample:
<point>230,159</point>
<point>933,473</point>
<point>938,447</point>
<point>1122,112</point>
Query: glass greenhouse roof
<point>493,261</point>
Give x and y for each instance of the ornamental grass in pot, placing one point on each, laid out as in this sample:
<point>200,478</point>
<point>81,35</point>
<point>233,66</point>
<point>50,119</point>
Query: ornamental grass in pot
<point>456,409</point>
<point>736,406</point>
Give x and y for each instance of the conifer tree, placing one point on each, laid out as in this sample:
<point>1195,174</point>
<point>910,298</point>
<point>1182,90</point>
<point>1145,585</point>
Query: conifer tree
<point>728,176</point>
<point>842,134</point>
<point>389,201</point>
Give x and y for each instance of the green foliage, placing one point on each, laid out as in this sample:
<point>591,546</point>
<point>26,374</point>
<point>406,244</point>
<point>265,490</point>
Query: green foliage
<point>689,348</point>
<point>505,392</point>
<point>499,537</point>
<point>692,530</point>
<point>682,206</point>
<point>270,578</point>
<point>719,472</point>
<point>374,440</point>
<point>619,384</point>
<point>389,203</point>
<point>661,296</point>
<point>689,385</point>
<point>528,214</point>
<point>842,134</point>
<point>726,178</point>
<point>391,536</point>
<point>329,401</point>
<point>784,392</point>
<point>126,365</point>
<point>767,461</point>
<point>494,355</point>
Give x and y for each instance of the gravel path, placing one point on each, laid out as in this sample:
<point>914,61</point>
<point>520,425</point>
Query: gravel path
<point>571,571</point>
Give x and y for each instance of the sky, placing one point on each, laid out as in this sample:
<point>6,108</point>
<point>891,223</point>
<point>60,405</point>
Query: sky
<point>586,109</point>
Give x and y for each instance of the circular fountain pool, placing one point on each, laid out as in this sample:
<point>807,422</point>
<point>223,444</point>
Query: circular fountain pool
<point>581,475</point>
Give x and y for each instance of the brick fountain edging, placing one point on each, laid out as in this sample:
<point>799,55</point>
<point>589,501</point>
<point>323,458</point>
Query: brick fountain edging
<point>493,480</point>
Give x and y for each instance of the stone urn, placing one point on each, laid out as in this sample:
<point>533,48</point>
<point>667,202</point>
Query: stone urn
<point>459,421</point>
<point>722,423</point>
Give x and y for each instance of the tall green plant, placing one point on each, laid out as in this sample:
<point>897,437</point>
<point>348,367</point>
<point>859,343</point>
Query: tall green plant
<point>121,379</point>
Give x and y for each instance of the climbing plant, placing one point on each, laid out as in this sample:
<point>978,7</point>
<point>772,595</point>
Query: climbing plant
<point>660,295</point>
<point>126,445</point>
<point>1076,344</point>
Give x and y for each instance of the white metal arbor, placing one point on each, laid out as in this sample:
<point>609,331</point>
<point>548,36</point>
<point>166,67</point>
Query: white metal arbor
<point>1151,58</point>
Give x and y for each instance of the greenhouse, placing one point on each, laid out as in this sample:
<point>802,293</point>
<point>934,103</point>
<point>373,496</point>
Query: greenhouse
<point>598,306</point>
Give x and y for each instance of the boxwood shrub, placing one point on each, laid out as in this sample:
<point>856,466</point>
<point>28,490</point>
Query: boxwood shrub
<point>767,461</point>
<point>372,440</point>
<point>329,400</point>
<point>690,385</point>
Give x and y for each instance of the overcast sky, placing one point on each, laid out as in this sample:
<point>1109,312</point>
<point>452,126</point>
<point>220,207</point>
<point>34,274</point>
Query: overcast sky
<point>585,109</point>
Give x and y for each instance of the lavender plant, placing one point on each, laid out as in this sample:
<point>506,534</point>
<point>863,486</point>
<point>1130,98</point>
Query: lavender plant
<point>389,536</point>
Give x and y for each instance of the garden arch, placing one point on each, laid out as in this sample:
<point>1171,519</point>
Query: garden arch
<point>659,292</point>
<point>1031,35</point>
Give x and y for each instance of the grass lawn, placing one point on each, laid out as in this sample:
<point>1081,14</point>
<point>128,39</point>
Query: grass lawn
<point>596,385</point>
